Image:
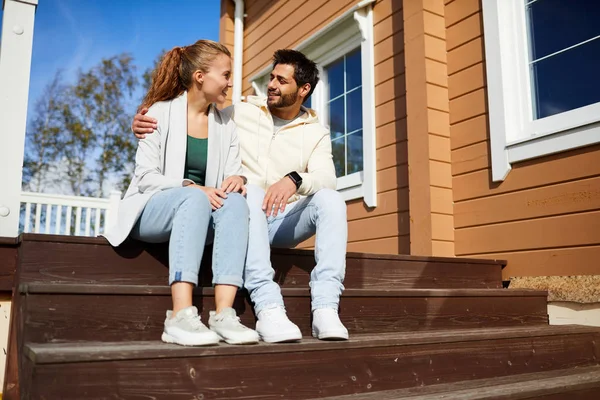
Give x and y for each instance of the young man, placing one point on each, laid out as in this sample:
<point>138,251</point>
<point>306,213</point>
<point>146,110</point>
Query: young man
<point>286,156</point>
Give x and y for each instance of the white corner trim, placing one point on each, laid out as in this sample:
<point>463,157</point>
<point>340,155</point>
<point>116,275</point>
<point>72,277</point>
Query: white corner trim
<point>238,50</point>
<point>497,115</point>
<point>364,17</point>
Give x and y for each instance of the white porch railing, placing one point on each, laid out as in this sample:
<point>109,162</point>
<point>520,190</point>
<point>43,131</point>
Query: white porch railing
<point>53,214</point>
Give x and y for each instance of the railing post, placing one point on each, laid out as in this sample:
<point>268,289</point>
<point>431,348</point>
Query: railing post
<point>15,67</point>
<point>113,209</point>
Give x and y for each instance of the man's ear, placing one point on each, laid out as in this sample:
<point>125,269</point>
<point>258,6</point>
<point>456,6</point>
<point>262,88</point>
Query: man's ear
<point>304,90</point>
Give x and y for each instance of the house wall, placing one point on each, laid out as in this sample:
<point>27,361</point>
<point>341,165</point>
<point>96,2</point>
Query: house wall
<point>275,24</point>
<point>428,133</point>
<point>544,217</point>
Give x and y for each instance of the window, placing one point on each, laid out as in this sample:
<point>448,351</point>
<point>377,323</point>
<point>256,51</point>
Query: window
<point>344,98</point>
<point>542,58</point>
<point>344,112</point>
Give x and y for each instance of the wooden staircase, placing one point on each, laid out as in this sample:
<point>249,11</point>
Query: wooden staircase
<point>87,320</point>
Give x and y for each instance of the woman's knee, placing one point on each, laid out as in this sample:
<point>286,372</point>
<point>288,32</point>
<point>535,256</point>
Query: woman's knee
<point>194,199</point>
<point>236,203</point>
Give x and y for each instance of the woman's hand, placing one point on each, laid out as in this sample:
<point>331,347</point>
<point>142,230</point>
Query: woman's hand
<point>215,196</point>
<point>234,184</point>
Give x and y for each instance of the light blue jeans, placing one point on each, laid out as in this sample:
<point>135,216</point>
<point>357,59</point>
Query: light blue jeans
<point>323,213</point>
<point>184,216</point>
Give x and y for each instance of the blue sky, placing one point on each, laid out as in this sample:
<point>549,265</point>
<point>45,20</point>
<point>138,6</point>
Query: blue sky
<point>73,34</point>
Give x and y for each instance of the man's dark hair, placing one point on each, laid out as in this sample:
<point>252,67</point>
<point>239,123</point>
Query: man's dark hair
<point>305,70</point>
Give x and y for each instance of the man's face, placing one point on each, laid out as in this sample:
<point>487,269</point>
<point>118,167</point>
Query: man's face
<point>282,90</point>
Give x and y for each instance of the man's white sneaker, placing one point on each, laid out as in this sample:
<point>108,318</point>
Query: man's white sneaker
<point>186,329</point>
<point>274,326</point>
<point>227,325</point>
<point>327,325</point>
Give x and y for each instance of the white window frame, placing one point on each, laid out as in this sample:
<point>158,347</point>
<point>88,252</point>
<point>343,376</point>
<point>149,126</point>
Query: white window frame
<point>514,134</point>
<point>352,30</point>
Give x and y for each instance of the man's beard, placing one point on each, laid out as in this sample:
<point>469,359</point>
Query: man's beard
<point>285,100</point>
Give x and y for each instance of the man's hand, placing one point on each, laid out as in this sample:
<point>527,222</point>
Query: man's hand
<point>143,124</point>
<point>234,184</point>
<point>215,196</point>
<point>278,195</point>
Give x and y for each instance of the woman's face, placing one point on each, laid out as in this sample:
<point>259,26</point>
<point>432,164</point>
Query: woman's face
<point>217,81</point>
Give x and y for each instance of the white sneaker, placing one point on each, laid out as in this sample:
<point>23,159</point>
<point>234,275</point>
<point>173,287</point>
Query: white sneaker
<point>274,326</point>
<point>186,329</point>
<point>227,325</point>
<point>327,325</point>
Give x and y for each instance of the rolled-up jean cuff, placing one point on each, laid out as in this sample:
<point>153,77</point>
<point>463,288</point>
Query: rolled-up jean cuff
<point>232,280</point>
<point>324,305</point>
<point>183,276</point>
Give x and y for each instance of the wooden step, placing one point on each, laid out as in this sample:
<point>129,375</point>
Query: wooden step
<point>8,262</point>
<point>310,369</point>
<point>114,313</point>
<point>573,384</point>
<point>66,259</point>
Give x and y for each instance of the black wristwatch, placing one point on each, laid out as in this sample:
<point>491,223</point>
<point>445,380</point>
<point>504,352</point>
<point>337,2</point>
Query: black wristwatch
<point>296,178</point>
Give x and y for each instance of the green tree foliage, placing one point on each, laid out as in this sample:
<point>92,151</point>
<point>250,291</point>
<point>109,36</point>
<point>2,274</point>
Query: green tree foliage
<point>43,144</point>
<point>99,122</point>
<point>79,133</point>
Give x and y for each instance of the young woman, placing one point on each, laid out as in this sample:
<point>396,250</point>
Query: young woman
<point>187,182</point>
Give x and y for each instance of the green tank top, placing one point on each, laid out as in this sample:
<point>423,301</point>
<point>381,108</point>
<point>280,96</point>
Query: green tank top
<point>195,160</point>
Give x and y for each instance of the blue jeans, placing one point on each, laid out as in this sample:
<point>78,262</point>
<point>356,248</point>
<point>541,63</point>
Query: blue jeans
<point>184,216</point>
<point>323,213</point>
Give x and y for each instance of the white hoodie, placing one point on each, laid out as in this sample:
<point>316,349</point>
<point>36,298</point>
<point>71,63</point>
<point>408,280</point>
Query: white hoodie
<point>303,146</point>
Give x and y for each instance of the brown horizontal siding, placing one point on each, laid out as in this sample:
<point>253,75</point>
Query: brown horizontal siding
<point>378,227</point>
<point>531,234</point>
<point>391,111</point>
<point>384,8</point>
<point>441,201</point>
<point>387,203</point>
<point>552,200</point>
<point>549,262</point>
<point>459,10</point>
<point>391,133</point>
<point>435,49</point>
<point>543,217</point>
<point>470,158</point>
<point>467,81</point>
<point>466,55</point>
<point>391,245</point>
<point>389,90</point>
<point>470,105</point>
<point>389,47</point>
<point>260,12</point>
<point>465,31</point>
<point>435,73</point>
<point>439,148</point>
<point>440,174</point>
<point>387,27</point>
<point>392,155</point>
<point>468,132</point>
<point>439,122</point>
<point>392,178</point>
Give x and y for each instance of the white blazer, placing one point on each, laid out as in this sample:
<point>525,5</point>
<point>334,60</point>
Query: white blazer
<point>160,160</point>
